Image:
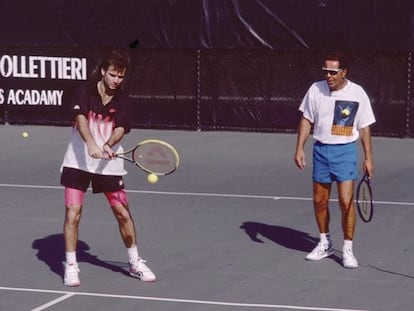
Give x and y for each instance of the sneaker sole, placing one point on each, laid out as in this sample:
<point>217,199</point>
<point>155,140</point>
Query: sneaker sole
<point>134,275</point>
<point>72,285</point>
<point>350,266</point>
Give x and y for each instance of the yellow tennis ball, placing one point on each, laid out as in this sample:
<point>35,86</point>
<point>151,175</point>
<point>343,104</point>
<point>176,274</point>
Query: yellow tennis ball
<point>346,112</point>
<point>152,178</point>
<point>25,134</point>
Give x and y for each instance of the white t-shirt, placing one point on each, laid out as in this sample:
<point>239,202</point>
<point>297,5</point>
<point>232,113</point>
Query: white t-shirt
<point>77,156</point>
<point>102,120</point>
<point>337,116</point>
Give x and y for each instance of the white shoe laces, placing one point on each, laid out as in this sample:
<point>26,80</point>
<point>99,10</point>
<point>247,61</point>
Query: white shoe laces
<point>72,269</point>
<point>139,265</point>
<point>321,248</point>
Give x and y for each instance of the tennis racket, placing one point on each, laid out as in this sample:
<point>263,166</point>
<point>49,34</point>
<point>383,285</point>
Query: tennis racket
<point>364,199</point>
<point>153,156</point>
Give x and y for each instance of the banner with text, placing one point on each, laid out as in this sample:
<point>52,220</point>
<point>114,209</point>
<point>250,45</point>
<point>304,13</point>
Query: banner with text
<point>36,87</point>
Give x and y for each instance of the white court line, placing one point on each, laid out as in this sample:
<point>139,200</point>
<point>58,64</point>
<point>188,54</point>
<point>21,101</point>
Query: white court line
<point>53,302</point>
<point>188,301</point>
<point>206,194</point>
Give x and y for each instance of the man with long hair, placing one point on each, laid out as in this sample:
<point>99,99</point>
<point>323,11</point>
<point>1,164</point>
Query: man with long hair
<point>101,110</point>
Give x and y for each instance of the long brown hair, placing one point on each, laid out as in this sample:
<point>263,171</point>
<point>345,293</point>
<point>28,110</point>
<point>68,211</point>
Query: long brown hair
<point>119,59</point>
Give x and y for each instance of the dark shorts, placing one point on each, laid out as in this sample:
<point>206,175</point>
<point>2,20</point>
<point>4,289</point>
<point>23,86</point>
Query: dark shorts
<point>77,179</point>
<point>334,162</point>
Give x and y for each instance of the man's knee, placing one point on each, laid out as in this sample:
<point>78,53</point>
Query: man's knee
<point>73,214</point>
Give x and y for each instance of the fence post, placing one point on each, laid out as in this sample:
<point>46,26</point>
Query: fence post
<point>409,120</point>
<point>198,89</point>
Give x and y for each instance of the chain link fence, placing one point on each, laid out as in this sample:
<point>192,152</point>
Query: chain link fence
<point>212,89</point>
<point>258,90</point>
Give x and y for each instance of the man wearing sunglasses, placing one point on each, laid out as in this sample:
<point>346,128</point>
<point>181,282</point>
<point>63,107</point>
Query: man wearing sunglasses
<point>340,113</point>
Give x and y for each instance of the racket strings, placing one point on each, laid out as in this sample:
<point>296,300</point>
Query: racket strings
<point>364,200</point>
<point>155,158</point>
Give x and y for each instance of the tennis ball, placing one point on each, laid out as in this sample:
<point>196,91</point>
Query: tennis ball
<point>25,134</point>
<point>346,112</point>
<point>152,178</point>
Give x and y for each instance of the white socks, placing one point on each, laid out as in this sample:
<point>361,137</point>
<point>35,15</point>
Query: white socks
<point>71,257</point>
<point>348,244</point>
<point>133,253</point>
<point>325,238</point>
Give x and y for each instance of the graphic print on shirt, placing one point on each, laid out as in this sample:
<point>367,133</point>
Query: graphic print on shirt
<point>344,117</point>
<point>100,127</point>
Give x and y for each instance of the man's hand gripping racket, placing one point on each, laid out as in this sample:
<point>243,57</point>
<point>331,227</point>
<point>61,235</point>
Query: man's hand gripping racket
<point>153,156</point>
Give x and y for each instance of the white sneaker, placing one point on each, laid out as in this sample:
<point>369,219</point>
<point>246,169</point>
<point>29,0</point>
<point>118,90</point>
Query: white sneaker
<point>71,277</point>
<point>138,269</point>
<point>348,259</point>
<point>321,251</point>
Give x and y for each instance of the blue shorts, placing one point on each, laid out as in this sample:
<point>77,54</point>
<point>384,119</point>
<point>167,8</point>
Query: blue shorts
<point>334,162</point>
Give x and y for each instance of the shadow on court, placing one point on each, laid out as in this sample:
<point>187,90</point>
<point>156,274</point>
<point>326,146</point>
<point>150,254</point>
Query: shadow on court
<point>286,237</point>
<point>51,250</point>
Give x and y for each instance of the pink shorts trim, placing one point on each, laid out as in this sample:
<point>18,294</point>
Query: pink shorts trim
<point>117,198</point>
<point>74,197</point>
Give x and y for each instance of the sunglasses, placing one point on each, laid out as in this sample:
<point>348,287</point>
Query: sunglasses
<point>331,71</point>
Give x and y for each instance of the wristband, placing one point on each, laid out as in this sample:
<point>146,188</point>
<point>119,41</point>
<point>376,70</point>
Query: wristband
<point>108,145</point>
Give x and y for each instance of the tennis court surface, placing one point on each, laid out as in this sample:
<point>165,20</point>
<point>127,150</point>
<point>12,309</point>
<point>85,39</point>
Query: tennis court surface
<point>229,230</point>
